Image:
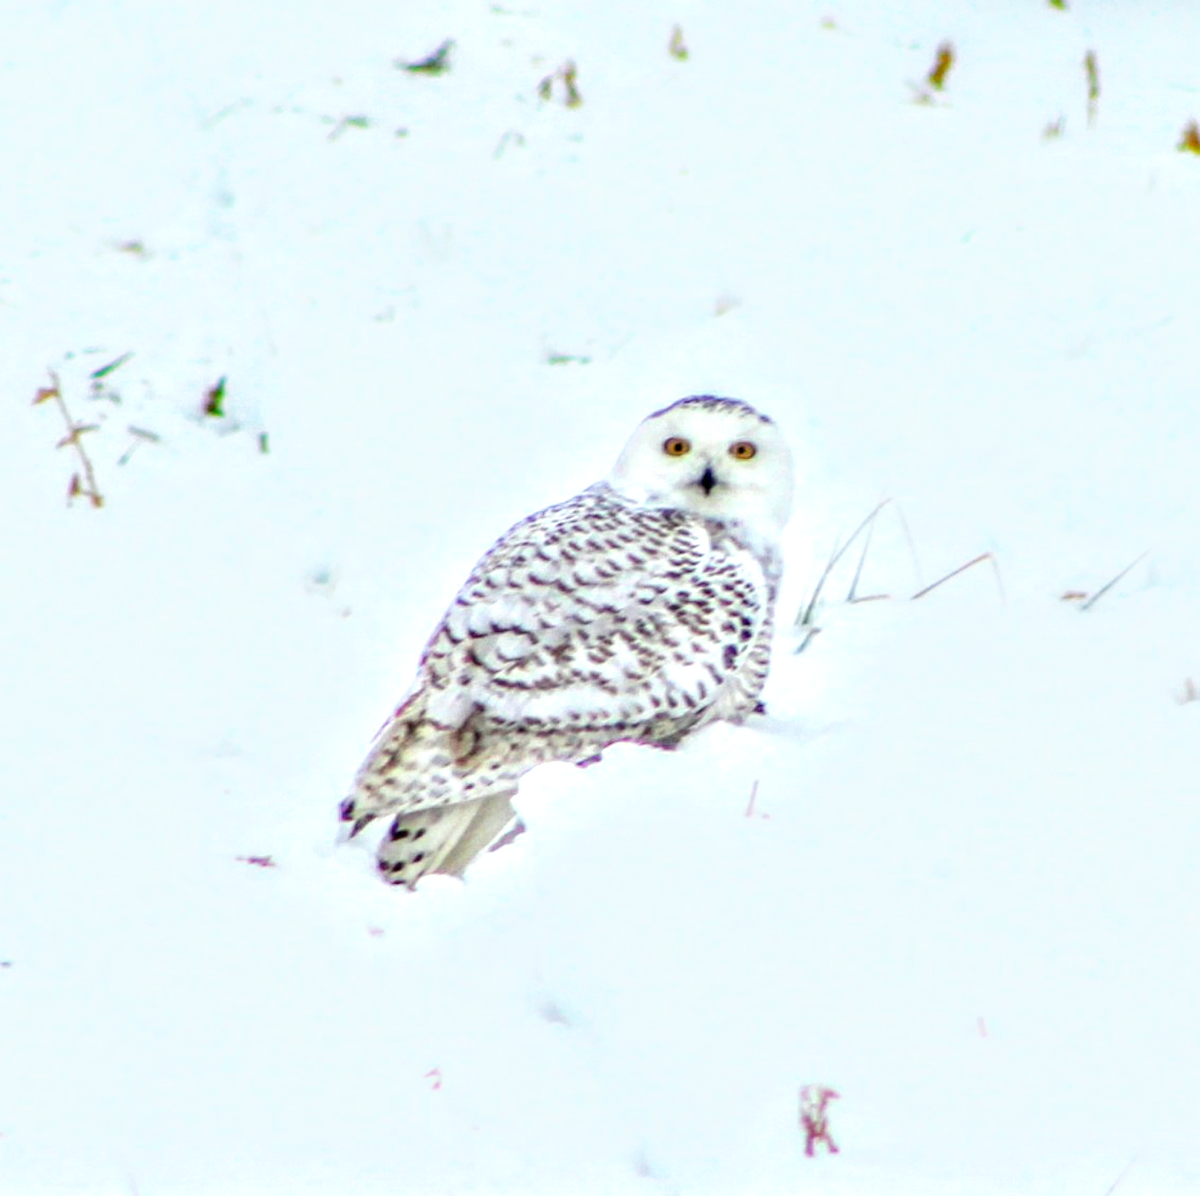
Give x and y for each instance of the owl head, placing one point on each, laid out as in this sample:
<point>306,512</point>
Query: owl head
<point>718,458</point>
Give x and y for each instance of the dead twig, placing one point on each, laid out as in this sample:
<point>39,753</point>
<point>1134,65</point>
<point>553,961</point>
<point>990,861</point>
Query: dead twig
<point>87,486</point>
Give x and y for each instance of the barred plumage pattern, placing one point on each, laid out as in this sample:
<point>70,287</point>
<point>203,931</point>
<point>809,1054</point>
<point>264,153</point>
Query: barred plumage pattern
<point>594,621</point>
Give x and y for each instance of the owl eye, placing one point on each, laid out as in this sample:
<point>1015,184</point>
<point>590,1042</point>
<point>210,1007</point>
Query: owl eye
<point>743,450</point>
<point>676,446</point>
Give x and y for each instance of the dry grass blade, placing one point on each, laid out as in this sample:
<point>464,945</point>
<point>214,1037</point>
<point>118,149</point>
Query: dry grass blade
<point>105,370</point>
<point>908,539</point>
<point>568,76</point>
<point>1091,68</point>
<point>804,618</point>
<point>1113,1186</point>
<point>1109,585</point>
<point>810,634</point>
<point>983,556</point>
<point>214,399</point>
<point>86,488</point>
<point>140,436</point>
<point>941,66</point>
<point>862,560</point>
<point>437,63</point>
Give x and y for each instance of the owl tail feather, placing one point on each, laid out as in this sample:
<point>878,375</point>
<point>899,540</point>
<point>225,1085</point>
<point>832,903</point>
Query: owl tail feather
<point>442,838</point>
<point>448,789</point>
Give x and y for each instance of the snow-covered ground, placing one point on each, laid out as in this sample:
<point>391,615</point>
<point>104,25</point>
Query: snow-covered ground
<point>965,894</point>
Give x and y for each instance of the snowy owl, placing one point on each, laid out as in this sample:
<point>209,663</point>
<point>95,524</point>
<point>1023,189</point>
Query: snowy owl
<point>639,610</point>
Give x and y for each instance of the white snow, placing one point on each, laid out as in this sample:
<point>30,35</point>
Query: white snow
<point>964,894</point>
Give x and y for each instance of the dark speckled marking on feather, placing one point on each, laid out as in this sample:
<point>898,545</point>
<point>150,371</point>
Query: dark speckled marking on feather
<point>593,621</point>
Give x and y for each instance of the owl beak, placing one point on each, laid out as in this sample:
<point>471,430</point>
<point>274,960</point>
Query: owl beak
<point>707,481</point>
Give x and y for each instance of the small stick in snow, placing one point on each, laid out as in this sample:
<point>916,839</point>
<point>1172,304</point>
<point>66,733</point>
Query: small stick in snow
<point>1109,585</point>
<point>814,1117</point>
<point>983,556</point>
<point>1091,68</point>
<point>87,487</point>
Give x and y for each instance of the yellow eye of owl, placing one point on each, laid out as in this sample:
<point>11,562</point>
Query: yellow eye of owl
<point>743,450</point>
<point>676,446</point>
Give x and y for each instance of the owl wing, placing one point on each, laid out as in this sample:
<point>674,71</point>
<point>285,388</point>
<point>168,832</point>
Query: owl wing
<point>590,622</point>
<point>597,615</point>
